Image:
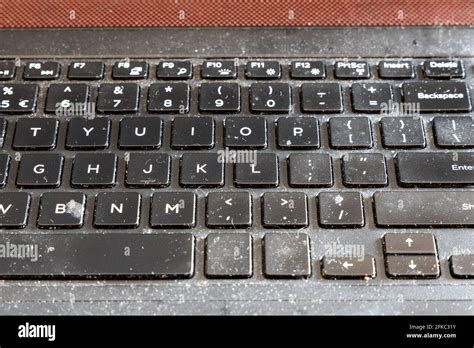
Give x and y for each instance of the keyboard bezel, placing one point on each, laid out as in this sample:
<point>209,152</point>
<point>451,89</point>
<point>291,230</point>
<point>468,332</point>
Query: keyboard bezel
<point>200,295</point>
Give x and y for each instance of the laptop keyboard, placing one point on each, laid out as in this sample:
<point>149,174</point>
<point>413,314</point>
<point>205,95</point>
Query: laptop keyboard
<point>188,168</point>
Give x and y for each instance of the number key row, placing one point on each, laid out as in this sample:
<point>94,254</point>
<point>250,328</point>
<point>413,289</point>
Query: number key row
<point>75,99</point>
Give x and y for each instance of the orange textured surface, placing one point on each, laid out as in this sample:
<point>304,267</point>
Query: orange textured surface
<point>179,13</point>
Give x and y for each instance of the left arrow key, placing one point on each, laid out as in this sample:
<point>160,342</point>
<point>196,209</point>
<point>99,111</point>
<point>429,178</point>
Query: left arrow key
<point>362,267</point>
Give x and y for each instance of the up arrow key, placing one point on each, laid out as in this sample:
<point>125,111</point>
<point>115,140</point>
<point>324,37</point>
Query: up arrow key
<point>409,243</point>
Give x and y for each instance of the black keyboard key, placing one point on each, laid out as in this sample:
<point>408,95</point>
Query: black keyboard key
<point>173,210</point>
<point>102,256</point>
<point>443,68</point>
<point>402,132</point>
<point>321,98</point>
<point>395,69</point>
<point>340,209</point>
<point>437,96</point>
<point>424,208</point>
<point>454,132</point>
<point>229,210</point>
<point>18,98</point>
<point>286,255</point>
<point>14,208</point>
<point>148,169</point>
<point>262,171</point>
<point>42,71</point>
<point>88,134</point>
<point>174,70</point>
<point>3,129</point>
<point>308,69</point>
<point>310,170</point>
<point>4,167</point>
<point>267,70</point>
<point>219,97</point>
<point>94,170</point>
<point>40,170</point>
<point>364,170</point>
<point>192,133</point>
<point>61,210</point>
<point>140,133</point>
<point>351,69</point>
<point>117,210</point>
<point>116,97</point>
<point>201,170</point>
<point>285,210</point>
<point>35,134</point>
<point>245,132</point>
<point>7,70</point>
<point>270,97</point>
<point>64,99</point>
<point>348,268</point>
<point>228,255</point>
<point>350,132</point>
<point>371,97</point>
<point>219,69</point>
<point>412,266</point>
<point>130,70</point>
<point>462,266</point>
<point>169,98</point>
<point>297,133</point>
<point>435,168</point>
<point>86,71</point>
<point>409,243</point>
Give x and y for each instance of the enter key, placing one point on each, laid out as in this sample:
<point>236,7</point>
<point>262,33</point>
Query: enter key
<point>435,168</point>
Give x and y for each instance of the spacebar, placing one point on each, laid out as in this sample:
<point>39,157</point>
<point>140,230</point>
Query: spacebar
<point>424,208</point>
<point>96,255</point>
